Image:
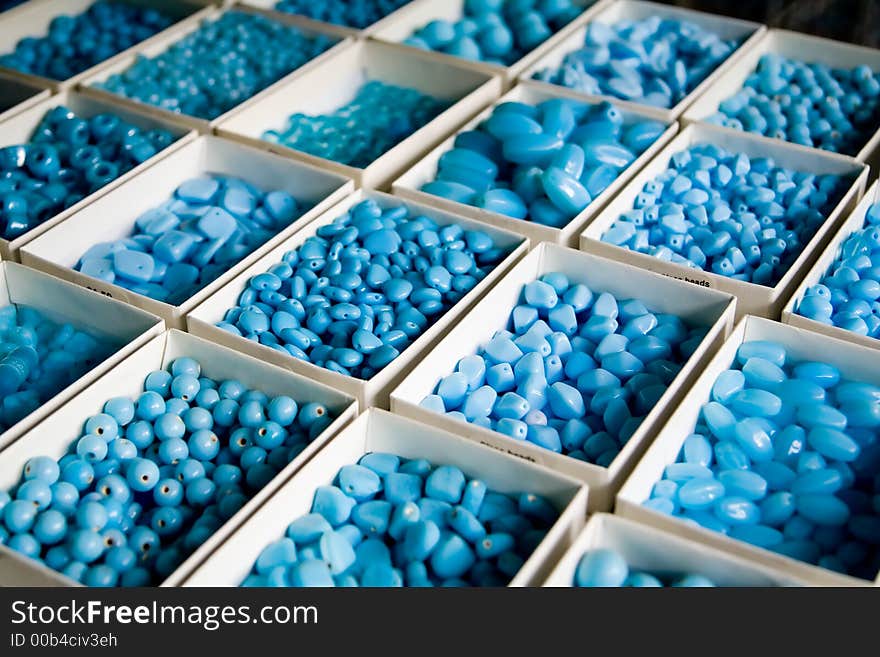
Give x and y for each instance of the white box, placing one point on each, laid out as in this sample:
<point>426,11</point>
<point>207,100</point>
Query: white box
<point>18,130</point>
<point>112,216</point>
<point>856,221</point>
<point>53,436</point>
<point>796,46</point>
<point>375,391</point>
<point>62,302</point>
<point>33,19</point>
<point>421,12</point>
<point>17,96</point>
<point>380,431</point>
<point>324,89</point>
<point>726,28</point>
<point>704,307</point>
<point>425,170</point>
<point>160,45</point>
<point>647,549</point>
<point>753,299</point>
<point>855,362</point>
<point>341,30</point>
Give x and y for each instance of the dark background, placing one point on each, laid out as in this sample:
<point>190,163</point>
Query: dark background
<point>856,21</point>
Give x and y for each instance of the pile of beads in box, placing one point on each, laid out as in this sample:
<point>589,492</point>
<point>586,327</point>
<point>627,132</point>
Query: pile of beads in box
<point>847,296</point>
<point>784,456</point>
<point>809,104</point>
<point>67,158</point>
<point>655,61</point>
<point>182,245</point>
<point>378,118</point>
<point>151,479</point>
<point>39,358</point>
<point>607,568</point>
<point>351,13</point>
<point>352,297</point>
<point>389,521</point>
<point>76,43</point>
<point>496,31</point>
<point>577,374</point>
<point>543,163</point>
<point>219,66</point>
<point>740,217</point>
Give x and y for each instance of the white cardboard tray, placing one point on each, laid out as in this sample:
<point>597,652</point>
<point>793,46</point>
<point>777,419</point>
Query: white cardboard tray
<point>854,222</point>
<point>18,96</point>
<point>855,362</point>
<point>53,436</point>
<point>19,129</point>
<point>64,302</point>
<point>753,299</point>
<point>32,19</point>
<point>409,184</point>
<point>661,294</point>
<point>648,549</point>
<point>323,89</point>
<point>112,216</point>
<point>724,27</point>
<point>375,391</point>
<point>380,431</point>
<point>797,46</point>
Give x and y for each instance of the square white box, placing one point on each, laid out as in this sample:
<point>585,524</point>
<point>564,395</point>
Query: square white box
<point>380,431</point>
<point>796,46</point>
<point>855,221</point>
<point>32,19</point>
<point>855,363</point>
<point>650,550</point>
<point>421,12</point>
<point>726,28</point>
<point>324,89</point>
<point>160,45</point>
<point>113,216</point>
<point>375,391</point>
<point>752,298</point>
<point>18,96</point>
<point>704,307</point>
<point>425,170</point>
<point>63,302</point>
<point>19,128</point>
<point>341,30</point>
<point>53,436</point>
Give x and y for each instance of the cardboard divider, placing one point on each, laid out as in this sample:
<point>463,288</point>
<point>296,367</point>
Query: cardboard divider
<point>696,306</point>
<point>17,95</point>
<point>113,216</point>
<point>661,553</point>
<point>409,184</point>
<point>380,431</point>
<point>160,45</point>
<point>796,46</point>
<point>34,18</point>
<point>855,363</point>
<point>622,10</point>
<point>752,298</point>
<point>53,436</point>
<point>342,30</point>
<point>63,302</point>
<point>375,391</point>
<point>325,88</point>
<point>853,223</point>
<point>421,12</point>
<point>20,128</point>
